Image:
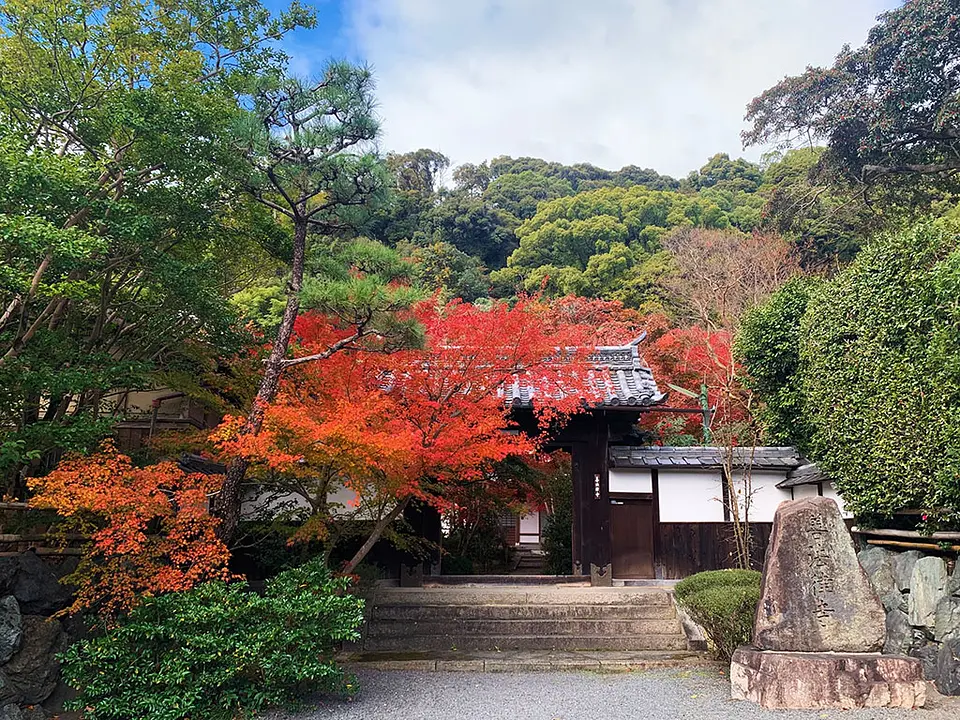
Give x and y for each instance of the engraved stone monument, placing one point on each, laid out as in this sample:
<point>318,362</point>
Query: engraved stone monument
<point>815,596</point>
<point>819,625</point>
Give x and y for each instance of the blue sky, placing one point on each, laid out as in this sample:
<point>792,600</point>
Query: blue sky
<point>331,37</point>
<point>655,83</point>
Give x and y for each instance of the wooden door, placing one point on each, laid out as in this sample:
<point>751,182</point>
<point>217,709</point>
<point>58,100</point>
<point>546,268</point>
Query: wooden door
<point>631,535</point>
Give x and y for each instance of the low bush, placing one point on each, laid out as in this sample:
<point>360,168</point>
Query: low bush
<point>724,604</point>
<point>218,651</point>
<point>557,541</point>
<point>557,534</point>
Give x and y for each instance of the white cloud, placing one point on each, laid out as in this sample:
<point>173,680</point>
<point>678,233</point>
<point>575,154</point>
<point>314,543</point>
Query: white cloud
<point>655,83</point>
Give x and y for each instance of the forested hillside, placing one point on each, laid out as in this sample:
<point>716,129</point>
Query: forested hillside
<point>529,225</point>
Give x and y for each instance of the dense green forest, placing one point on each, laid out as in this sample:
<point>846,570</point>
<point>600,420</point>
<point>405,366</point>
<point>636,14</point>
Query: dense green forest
<point>525,224</point>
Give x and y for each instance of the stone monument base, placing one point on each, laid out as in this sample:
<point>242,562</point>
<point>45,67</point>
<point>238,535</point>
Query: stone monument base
<point>795,680</point>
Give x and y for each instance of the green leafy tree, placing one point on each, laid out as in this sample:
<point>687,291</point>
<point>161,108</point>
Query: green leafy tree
<point>581,176</point>
<point>520,193</point>
<point>472,179</point>
<point>569,231</point>
<point>120,237</point>
<point>827,223</point>
<point>473,226</point>
<point>418,171</point>
<point>440,266</point>
<point>887,110</point>
<point>412,181</point>
<point>723,173</point>
<point>649,178</point>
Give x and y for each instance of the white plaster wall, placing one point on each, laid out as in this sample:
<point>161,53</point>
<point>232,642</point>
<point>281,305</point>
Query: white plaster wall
<point>631,481</point>
<point>344,497</point>
<point>259,504</point>
<point>530,528</point>
<point>690,495</point>
<point>831,492</point>
<point>802,491</point>
<point>764,493</point>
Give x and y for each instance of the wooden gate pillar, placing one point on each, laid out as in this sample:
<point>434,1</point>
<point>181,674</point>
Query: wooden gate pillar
<point>592,552</point>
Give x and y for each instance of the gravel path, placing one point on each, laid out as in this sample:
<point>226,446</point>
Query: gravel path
<point>660,695</point>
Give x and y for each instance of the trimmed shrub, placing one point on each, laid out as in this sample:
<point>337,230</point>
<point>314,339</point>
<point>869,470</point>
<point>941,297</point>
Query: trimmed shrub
<point>862,372</point>
<point>768,344</point>
<point>218,651</point>
<point>724,604</point>
<point>880,358</point>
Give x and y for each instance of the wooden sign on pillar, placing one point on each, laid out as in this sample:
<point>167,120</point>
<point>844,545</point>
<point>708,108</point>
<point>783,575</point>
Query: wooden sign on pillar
<point>592,504</point>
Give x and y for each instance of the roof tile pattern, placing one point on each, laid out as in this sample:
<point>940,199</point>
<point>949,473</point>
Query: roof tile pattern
<point>809,474</point>
<point>619,374</point>
<point>764,458</point>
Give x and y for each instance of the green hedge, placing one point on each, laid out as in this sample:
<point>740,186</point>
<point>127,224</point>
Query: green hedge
<point>218,651</point>
<point>723,603</point>
<point>768,344</point>
<point>862,372</point>
<point>880,359</point>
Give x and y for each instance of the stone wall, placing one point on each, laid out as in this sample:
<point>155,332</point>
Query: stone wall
<point>922,603</point>
<point>30,638</point>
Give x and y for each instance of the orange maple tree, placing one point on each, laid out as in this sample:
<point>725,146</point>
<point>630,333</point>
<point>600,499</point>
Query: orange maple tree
<point>416,424</point>
<point>150,530</point>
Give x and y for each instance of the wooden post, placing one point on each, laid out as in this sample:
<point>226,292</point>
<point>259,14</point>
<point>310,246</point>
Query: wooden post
<point>592,503</point>
<point>657,552</point>
<point>577,451</point>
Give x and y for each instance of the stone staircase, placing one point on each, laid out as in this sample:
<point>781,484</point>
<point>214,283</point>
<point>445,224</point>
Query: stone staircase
<point>527,561</point>
<point>522,618</point>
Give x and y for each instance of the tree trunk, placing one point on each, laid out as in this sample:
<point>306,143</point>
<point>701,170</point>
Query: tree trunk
<point>375,535</point>
<point>228,502</point>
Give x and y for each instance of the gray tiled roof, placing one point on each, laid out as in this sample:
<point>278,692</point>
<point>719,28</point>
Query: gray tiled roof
<point>768,458</point>
<point>620,374</point>
<point>809,474</point>
<point>192,463</point>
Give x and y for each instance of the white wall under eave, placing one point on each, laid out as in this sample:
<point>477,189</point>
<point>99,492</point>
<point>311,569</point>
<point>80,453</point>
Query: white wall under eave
<point>690,495</point>
<point>631,481</point>
<point>261,504</point>
<point>345,499</point>
<point>697,495</point>
<point>831,492</point>
<point>530,528</point>
<point>802,491</point>
<point>265,504</point>
<point>765,496</point>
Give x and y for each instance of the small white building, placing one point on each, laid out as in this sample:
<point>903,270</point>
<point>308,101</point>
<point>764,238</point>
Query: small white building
<point>672,509</point>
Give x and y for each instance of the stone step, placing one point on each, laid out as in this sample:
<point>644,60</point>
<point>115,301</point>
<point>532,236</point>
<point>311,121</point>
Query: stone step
<point>534,596</point>
<point>529,564</point>
<point>510,579</point>
<point>526,661</point>
<point>414,613</point>
<point>421,643</point>
<point>527,627</point>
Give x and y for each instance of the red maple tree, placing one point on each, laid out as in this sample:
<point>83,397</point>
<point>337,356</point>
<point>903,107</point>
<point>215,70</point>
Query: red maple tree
<point>692,359</point>
<point>150,529</point>
<point>418,423</point>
